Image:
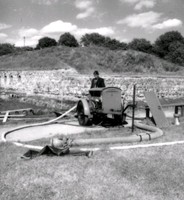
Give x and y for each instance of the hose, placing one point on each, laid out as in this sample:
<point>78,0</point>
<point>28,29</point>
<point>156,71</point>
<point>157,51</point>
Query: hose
<point>134,146</point>
<point>136,118</point>
<point>3,137</point>
<point>155,133</point>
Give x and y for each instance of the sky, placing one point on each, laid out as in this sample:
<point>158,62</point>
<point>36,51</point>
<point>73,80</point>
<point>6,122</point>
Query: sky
<point>29,20</point>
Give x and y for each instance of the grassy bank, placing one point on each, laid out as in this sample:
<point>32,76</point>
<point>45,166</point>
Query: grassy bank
<point>88,59</point>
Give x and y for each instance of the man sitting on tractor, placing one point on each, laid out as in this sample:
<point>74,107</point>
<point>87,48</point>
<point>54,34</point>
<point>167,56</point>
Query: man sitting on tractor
<point>97,82</point>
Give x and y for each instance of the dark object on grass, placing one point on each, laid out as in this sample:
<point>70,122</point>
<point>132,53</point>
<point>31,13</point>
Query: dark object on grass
<point>58,147</point>
<point>57,114</point>
<point>107,123</point>
<point>52,151</point>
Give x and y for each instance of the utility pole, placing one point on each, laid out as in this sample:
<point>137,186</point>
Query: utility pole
<point>24,41</point>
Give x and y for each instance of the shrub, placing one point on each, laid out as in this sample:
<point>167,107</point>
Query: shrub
<point>68,40</point>
<point>46,42</point>
<point>114,44</point>
<point>6,48</point>
<point>140,45</point>
<point>176,53</point>
<point>92,39</point>
<point>162,44</point>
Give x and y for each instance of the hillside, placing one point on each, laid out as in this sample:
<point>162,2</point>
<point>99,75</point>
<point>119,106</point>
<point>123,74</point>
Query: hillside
<point>87,59</point>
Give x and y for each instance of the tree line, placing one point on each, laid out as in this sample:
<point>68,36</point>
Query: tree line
<point>168,46</point>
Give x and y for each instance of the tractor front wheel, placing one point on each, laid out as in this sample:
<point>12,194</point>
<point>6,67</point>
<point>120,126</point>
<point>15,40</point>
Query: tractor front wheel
<point>82,118</point>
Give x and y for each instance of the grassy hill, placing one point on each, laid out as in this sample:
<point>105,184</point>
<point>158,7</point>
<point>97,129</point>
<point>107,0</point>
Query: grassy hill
<point>87,59</point>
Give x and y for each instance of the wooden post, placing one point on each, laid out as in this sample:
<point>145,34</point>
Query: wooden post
<point>133,108</point>
<point>6,117</point>
<point>176,110</point>
<point>147,111</point>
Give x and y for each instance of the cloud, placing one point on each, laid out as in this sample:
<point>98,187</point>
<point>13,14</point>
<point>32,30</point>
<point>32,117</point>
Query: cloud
<point>150,21</point>
<point>106,31</point>
<point>58,27</point>
<point>85,14</point>
<point>86,7</point>
<point>31,41</point>
<point>3,36</point>
<point>140,4</point>
<point>31,35</point>
<point>168,24</point>
<point>45,2</point>
<point>145,3</point>
<point>23,32</point>
<point>143,20</point>
<point>81,4</point>
<point>4,26</point>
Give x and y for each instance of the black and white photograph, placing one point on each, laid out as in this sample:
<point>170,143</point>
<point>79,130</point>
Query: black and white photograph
<point>91,100</point>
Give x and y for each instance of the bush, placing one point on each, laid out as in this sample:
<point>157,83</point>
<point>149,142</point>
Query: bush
<point>26,48</point>
<point>163,43</point>
<point>46,42</point>
<point>68,40</point>
<point>6,48</point>
<point>92,39</point>
<point>176,53</point>
<point>95,39</point>
<point>114,44</point>
<point>140,45</point>
<point>170,46</point>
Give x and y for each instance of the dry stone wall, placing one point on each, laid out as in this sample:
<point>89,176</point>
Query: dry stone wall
<point>66,85</point>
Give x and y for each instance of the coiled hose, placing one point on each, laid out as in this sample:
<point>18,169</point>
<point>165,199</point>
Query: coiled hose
<point>154,132</point>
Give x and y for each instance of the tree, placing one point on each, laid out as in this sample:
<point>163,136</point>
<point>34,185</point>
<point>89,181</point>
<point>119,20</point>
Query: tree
<point>93,39</point>
<point>176,53</point>
<point>6,48</point>
<point>46,42</point>
<point>68,40</point>
<point>162,44</point>
<point>114,44</point>
<point>140,45</point>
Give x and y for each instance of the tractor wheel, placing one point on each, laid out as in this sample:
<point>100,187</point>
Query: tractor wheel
<point>82,118</point>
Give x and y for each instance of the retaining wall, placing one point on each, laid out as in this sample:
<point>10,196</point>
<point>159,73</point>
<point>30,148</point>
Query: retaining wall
<point>65,85</point>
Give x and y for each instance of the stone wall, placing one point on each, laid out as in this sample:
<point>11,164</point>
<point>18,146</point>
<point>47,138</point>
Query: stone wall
<point>64,85</point>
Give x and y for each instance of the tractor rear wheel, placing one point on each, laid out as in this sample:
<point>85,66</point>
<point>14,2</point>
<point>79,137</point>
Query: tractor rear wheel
<point>82,118</point>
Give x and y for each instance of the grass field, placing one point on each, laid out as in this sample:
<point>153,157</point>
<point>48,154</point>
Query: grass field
<point>147,173</point>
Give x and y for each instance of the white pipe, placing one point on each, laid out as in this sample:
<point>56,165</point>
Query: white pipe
<point>156,133</point>
<point>134,146</point>
<point>3,136</point>
<point>147,145</point>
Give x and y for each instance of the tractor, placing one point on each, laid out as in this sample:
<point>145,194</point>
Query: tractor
<point>101,104</point>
